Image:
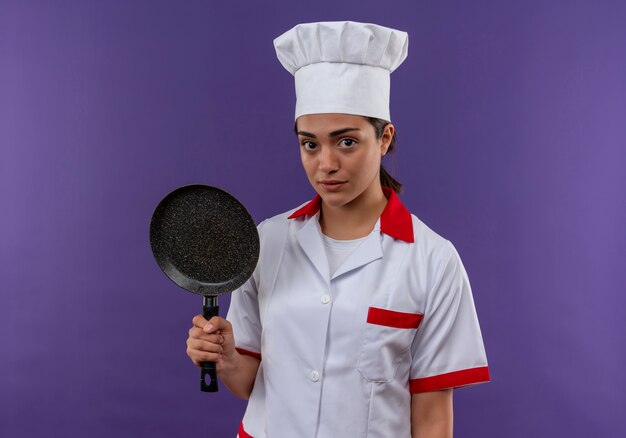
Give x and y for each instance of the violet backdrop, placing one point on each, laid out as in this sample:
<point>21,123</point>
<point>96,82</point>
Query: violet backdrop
<point>511,122</point>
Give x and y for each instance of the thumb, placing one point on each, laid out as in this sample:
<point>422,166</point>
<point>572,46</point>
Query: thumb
<point>218,323</point>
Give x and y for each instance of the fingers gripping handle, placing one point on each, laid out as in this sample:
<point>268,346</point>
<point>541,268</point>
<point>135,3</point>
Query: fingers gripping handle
<point>209,310</point>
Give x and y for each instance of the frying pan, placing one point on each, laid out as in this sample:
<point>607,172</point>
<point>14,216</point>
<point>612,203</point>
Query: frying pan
<point>206,242</point>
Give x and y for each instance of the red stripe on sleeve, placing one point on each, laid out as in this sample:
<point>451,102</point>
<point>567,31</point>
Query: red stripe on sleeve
<point>248,353</point>
<point>391,318</point>
<point>454,379</point>
<point>242,433</point>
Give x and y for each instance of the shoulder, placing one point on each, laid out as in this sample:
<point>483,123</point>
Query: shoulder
<point>426,239</point>
<point>278,221</point>
<point>272,237</point>
<point>430,247</point>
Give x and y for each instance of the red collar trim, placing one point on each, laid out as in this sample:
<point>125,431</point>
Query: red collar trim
<point>395,220</point>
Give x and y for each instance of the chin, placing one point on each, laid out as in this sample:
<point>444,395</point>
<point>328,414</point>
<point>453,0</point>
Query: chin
<point>336,199</point>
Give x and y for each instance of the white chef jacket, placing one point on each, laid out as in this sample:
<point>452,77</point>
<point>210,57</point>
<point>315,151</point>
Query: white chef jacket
<point>342,354</point>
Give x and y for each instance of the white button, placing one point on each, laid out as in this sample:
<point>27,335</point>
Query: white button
<point>325,299</point>
<point>315,376</point>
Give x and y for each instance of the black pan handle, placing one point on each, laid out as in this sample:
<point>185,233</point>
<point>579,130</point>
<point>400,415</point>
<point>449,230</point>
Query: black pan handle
<point>209,310</point>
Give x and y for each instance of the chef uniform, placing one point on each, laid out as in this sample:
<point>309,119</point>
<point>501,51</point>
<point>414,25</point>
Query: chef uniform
<point>347,331</point>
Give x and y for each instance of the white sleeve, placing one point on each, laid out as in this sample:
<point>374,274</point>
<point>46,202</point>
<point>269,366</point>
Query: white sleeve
<point>243,314</point>
<point>448,350</point>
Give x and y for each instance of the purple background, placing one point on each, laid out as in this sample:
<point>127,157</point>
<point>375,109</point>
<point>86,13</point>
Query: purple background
<point>511,121</point>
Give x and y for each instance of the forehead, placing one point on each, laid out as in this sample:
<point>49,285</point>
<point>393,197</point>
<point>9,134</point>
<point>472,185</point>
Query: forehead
<point>327,122</point>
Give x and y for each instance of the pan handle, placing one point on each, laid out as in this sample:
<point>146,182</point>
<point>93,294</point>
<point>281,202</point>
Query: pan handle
<point>209,310</point>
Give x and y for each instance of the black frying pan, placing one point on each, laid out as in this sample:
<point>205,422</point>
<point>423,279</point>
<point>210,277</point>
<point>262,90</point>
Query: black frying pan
<point>206,242</point>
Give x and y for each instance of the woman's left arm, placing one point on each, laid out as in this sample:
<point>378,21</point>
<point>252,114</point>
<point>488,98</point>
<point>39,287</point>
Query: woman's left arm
<point>431,414</point>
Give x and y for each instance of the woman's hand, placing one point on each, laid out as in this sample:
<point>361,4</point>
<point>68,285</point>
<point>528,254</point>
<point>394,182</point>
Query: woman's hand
<point>214,341</point>
<point>211,341</point>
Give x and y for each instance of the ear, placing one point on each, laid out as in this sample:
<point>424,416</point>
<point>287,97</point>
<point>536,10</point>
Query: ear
<point>385,140</point>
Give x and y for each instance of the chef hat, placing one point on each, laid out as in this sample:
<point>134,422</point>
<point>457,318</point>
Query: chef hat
<point>342,66</point>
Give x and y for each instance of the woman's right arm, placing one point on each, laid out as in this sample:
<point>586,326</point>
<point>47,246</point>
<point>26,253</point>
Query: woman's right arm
<point>214,341</point>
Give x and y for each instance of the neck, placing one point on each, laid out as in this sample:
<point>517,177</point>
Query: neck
<point>356,218</point>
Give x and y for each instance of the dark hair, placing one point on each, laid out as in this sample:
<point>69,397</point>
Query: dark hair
<point>386,180</point>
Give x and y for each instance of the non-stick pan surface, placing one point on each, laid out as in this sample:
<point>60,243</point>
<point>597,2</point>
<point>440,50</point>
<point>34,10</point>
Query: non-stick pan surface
<point>204,239</point>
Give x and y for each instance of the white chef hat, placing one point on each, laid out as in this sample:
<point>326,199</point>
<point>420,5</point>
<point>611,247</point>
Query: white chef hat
<point>342,66</point>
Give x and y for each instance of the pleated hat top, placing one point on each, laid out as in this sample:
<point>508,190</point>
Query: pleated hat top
<point>342,66</point>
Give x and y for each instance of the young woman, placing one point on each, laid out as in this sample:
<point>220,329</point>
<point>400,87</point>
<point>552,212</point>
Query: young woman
<point>359,319</point>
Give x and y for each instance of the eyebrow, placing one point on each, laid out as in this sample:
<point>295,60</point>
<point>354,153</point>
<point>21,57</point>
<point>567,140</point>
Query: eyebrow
<point>332,134</point>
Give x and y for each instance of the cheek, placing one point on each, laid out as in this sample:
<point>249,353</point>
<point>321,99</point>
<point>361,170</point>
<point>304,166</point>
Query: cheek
<point>368,164</point>
<point>308,165</point>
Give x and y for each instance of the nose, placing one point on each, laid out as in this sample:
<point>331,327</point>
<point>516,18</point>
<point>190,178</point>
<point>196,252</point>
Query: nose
<point>328,160</point>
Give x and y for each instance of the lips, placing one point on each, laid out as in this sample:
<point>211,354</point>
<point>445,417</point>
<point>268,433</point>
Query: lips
<point>332,185</point>
<point>332,181</point>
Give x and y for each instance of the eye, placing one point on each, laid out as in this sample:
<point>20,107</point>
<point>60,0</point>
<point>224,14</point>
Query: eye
<point>308,145</point>
<point>349,142</point>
